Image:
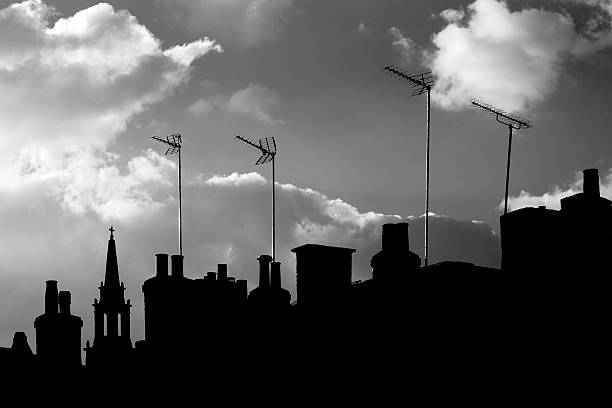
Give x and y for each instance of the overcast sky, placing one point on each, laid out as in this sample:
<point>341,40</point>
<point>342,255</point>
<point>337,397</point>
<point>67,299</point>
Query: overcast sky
<point>83,85</point>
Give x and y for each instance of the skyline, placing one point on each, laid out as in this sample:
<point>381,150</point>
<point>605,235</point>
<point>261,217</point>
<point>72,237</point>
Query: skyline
<point>75,123</point>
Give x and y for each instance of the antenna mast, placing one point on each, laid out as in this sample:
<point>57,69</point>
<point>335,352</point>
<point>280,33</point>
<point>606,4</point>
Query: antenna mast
<point>420,83</point>
<point>513,122</point>
<point>267,147</point>
<point>175,143</point>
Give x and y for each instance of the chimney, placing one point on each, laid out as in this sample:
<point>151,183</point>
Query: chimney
<point>264,271</point>
<point>590,185</point>
<point>161,265</point>
<point>51,297</point>
<point>275,275</point>
<point>241,285</point>
<point>64,303</point>
<point>395,237</point>
<point>222,272</point>
<point>212,276</point>
<point>177,266</point>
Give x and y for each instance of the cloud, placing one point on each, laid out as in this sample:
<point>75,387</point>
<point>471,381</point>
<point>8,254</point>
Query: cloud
<point>256,101</point>
<point>245,22</point>
<point>201,107</point>
<point>68,90</point>
<point>552,198</point>
<point>512,60</point>
<point>407,48</point>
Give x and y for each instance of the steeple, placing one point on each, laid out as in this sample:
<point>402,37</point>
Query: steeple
<point>111,277</point>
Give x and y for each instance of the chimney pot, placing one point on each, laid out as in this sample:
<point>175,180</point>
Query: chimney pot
<point>161,265</point>
<point>591,182</point>
<point>64,303</point>
<point>177,266</point>
<point>222,272</point>
<point>275,275</point>
<point>211,275</point>
<point>51,297</point>
<point>395,237</point>
<point>264,271</point>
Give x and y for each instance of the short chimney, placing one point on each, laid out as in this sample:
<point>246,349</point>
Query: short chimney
<point>64,303</point>
<point>212,276</point>
<point>161,265</point>
<point>242,289</point>
<point>264,270</point>
<point>222,272</point>
<point>395,237</point>
<point>51,297</point>
<point>590,185</point>
<point>177,266</point>
<point>275,275</point>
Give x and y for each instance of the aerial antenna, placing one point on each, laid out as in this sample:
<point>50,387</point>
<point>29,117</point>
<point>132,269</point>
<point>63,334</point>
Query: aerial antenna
<point>267,147</point>
<point>175,143</point>
<point>420,83</point>
<point>513,122</point>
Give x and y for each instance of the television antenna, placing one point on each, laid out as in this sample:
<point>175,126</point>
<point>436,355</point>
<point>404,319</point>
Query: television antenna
<point>420,83</point>
<point>267,147</point>
<point>175,143</point>
<point>513,122</point>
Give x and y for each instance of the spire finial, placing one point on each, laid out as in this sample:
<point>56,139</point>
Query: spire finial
<point>112,230</point>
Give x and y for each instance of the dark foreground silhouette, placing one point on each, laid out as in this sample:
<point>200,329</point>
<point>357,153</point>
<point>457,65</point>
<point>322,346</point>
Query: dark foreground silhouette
<point>534,330</point>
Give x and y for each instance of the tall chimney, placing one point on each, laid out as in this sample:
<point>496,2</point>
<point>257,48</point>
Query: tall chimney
<point>275,275</point>
<point>591,182</point>
<point>177,266</point>
<point>161,265</point>
<point>51,297</point>
<point>64,303</point>
<point>264,271</point>
<point>222,272</point>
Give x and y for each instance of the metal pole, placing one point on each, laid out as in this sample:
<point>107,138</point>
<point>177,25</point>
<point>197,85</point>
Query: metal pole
<point>180,216</point>
<point>508,169</point>
<point>427,179</point>
<point>273,210</point>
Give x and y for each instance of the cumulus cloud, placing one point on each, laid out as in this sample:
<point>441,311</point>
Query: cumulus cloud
<point>68,89</point>
<point>552,198</point>
<point>245,22</point>
<point>407,48</point>
<point>256,101</point>
<point>509,59</point>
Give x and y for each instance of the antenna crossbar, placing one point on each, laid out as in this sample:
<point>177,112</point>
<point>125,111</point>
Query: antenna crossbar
<point>508,119</point>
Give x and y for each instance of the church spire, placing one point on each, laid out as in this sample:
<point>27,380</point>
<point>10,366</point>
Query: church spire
<point>111,277</point>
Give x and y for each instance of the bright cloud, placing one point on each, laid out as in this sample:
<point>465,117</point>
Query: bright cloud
<point>405,46</point>
<point>246,22</point>
<point>509,59</point>
<point>256,101</point>
<point>68,89</point>
<point>552,198</point>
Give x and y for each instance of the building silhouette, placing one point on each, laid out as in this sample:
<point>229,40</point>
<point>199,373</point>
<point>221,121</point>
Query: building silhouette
<point>112,344</point>
<point>58,332</point>
<point>523,329</point>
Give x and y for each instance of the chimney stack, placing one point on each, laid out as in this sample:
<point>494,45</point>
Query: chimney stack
<point>590,185</point>
<point>51,297</point>
<point>64,303</point>
<point>177,266</point>
<point>161,265</point>
<point>275,275</point>
<point>264,271</point>
<point>222,272</point>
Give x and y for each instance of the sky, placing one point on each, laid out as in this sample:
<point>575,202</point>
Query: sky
<point>84,85</point>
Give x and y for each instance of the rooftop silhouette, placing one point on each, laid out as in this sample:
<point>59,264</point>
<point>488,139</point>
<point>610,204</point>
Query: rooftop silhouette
<point>452,324</point>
